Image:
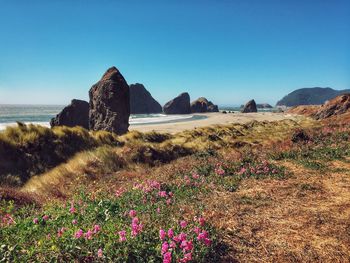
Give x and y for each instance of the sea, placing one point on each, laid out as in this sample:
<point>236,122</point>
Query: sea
<point>42,114</point>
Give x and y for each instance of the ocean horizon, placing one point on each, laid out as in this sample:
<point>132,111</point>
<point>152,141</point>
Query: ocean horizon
<point>41,114</point>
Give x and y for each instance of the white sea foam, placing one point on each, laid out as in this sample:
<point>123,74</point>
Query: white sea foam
<point>159,118</point>
<point>134,120</point>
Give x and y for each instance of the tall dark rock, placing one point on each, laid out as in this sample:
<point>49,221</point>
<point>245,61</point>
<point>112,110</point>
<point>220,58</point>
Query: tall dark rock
<point>250,107</point>
<point>178,105</point>
<point>203,105</point>
<point>110,103</point>
<point>75,114</point>
<point>141,101</point>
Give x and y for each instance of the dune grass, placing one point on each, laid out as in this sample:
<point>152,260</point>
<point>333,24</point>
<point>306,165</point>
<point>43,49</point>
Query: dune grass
<point>257,198</point>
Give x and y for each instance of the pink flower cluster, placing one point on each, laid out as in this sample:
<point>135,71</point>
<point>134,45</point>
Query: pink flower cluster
<point>219,170</point>
<point>262,168</point>
<point>148,186</point>
<point>7,220</point>
<point>89,234</point>
<point>152,192</point>
<point>119,192</point>
<point>194,180</point>
<point>136,227</point>
<point>61,231</point>
<point>72,209</point>
<point>183,242</point>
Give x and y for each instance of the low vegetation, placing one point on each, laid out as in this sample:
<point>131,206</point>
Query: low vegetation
<point>259,192</point>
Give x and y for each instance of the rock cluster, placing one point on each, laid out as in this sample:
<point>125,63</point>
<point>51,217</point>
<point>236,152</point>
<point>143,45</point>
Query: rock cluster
<point>203,105</point>
<point>75,114</point>
<point>250,107</point>
<point>109,107</point>
<point>263,106</point>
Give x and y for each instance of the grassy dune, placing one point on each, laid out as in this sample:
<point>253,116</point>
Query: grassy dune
<point>235,193</point>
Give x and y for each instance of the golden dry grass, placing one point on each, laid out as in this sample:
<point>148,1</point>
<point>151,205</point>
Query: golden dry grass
<point>302,218</point>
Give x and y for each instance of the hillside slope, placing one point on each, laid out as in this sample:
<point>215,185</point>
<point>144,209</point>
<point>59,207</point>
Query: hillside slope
<point>310,96</point>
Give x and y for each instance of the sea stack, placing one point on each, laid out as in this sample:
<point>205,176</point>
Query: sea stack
<point>75,114</point>
<point>141,101</point>
<point>203,105</point>
<point>178,105</point>
<point>110,103</point>
<point>250,107</point>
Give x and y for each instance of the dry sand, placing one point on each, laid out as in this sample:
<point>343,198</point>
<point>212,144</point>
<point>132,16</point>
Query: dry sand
<point>213,119</point>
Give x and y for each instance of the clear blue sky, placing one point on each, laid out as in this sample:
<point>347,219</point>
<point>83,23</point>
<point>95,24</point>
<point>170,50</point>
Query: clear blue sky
<point>226,50</point>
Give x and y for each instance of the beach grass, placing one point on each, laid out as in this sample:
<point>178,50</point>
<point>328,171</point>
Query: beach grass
<point>260,196</point>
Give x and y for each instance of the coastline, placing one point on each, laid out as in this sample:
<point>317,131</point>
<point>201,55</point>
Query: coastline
<point>217,118</point>
<point>178,123</point>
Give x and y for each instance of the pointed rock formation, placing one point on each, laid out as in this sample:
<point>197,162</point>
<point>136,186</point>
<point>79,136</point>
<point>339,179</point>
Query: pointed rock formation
<point>203,105</point>
<point>179,105</point>
<point>75,114</point>
<point>110,103</point>
<point>250,107</point>
<point>141,101</point>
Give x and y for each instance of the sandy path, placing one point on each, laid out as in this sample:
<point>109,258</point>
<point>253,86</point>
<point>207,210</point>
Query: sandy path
<point>213,119</point>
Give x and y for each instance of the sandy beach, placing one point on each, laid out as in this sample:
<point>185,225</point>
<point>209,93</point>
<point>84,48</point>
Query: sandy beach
<point>213,119</point>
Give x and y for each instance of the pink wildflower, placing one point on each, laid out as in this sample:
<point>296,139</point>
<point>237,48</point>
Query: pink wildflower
<point>186,245</point>
<point>61,231</point>
<point>45,217</point>
<point>201,221</point>
<point>243,170</point>
<point>36,221</point>
<point>74,221</point>
<point>170,233</point>
<point>119,193</point>
<point>219,171</point>
<point>100,253</point>
<point>162,234</point>
<point>207,242</point>
<point>167,257</point>
<point>88,234</point>
<point>172,245</point>
<point>165,247</point>
<point>72,209</point>
<point>195,175</point>
<point>197,230</point>
<point>135,221</point>
<point>122,235</point>
<point>202,235</point>
<point>162,194</point>
<point>183,224</point>
<point>79,233</point>
<point>187,258</point>
<point>136,228</point>
<point>97,228</point>
<point>8,220</point>
<point>132,213</point>
<point>181,237</point>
